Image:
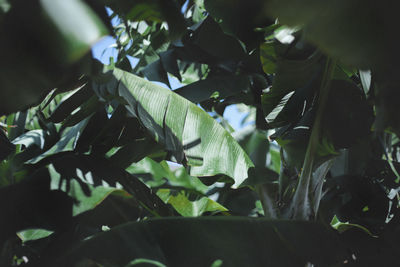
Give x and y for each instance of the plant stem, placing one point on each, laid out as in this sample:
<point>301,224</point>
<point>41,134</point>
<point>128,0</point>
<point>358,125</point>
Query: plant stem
<point>267,202</point>
<point>300,206</point>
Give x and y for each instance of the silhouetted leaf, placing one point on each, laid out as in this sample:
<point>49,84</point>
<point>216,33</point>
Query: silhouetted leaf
<point>70,102</point>
<point>224,86</point>
<point>347,30</point>
<point>348,117</point>
<point>251,14</point>
<point>200,241</point>
<point>43,42</point>
<point>6,147</point>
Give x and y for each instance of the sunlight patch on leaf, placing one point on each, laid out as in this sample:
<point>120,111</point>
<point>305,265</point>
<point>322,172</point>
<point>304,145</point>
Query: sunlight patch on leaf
<point>188,208</point>
<point>185,130</point>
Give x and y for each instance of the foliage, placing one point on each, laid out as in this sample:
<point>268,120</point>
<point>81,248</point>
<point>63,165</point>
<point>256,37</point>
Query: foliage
<point>100,165</point>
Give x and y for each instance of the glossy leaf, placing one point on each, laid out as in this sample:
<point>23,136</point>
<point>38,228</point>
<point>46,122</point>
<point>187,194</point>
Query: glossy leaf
<point>185,130</point>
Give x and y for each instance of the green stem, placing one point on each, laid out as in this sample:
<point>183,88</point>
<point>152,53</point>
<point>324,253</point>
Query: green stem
<point>267,202</point>
<point>300,207</point>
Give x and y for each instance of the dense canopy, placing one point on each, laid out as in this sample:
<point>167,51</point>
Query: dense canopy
<point>113,165</point>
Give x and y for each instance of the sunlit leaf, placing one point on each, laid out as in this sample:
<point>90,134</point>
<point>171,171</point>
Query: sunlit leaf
<point>188,208</point>
<point>185,130</point>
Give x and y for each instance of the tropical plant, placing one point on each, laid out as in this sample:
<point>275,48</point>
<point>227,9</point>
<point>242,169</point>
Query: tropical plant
<point>103,166</point>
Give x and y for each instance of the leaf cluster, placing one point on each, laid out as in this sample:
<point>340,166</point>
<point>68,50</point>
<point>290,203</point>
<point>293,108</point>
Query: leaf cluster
<point>101,163</point>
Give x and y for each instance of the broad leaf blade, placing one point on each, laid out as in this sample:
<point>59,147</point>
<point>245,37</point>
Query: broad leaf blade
<point>76,35</point>
<point>201,241</point>
<point>185,130</point>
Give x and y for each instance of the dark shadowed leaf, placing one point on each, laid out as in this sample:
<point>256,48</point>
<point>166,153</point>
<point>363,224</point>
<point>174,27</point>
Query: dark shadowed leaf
<point>210,38</point>
<point>201,241</point>
<point>35,205</point>
<point>6,147</point>
<point>152,10</point>
<point>225,86</point>
<point>348,30</point>
<point>251,14</point>
<point>348,116</point>
<point>300,76</point>
<point>156,72</point>
<point>70,102</point>
<point>43,42</point>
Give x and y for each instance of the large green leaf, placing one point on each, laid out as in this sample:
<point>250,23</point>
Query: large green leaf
<point>41,43</point>
<point>201,241</point>
<point>185,130</point>
<point>349,30</point>
<point>76,36</point>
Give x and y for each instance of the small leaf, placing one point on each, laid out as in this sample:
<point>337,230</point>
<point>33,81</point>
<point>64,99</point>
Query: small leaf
<point>33,234</point>
<point>365,77</point>
<point>268,58</point>
<point>344,226</point>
